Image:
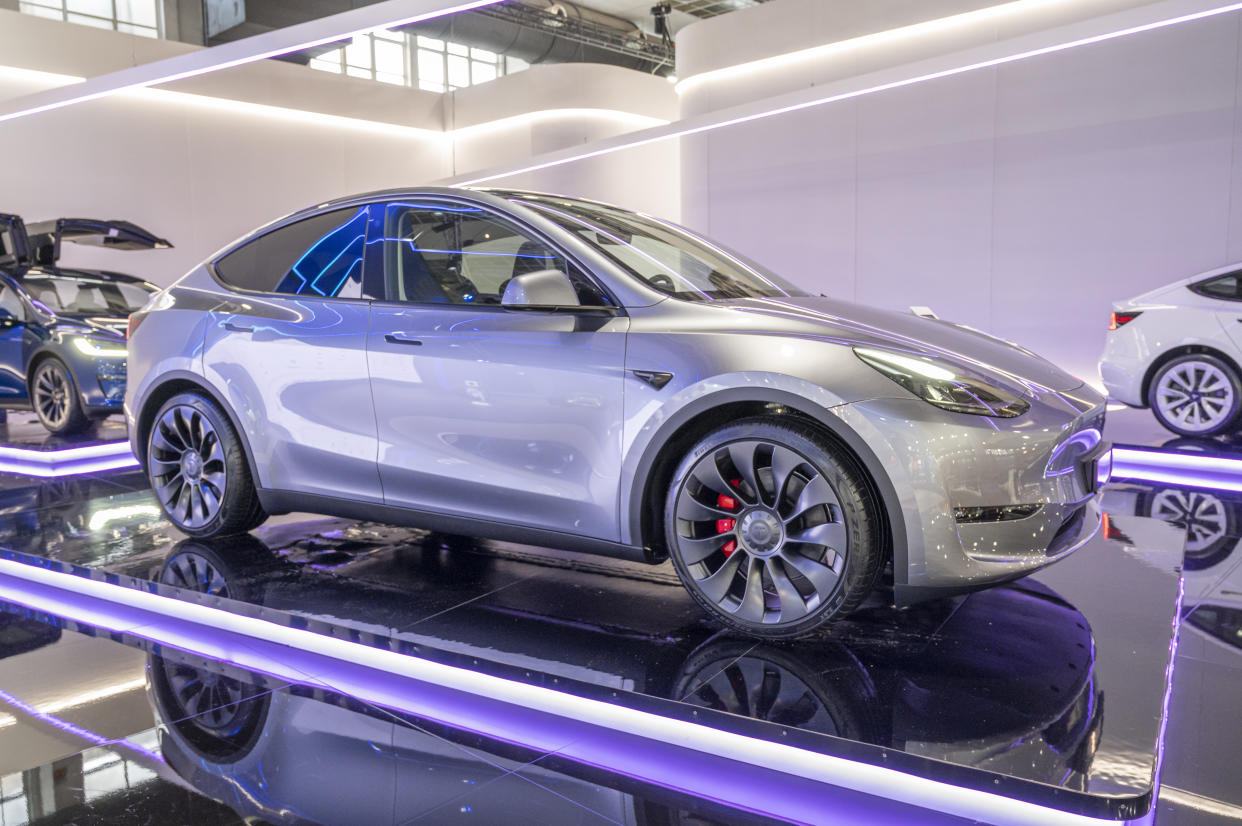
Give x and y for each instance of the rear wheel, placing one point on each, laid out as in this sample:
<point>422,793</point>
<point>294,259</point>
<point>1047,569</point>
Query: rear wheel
<point>772,528</point>
<point>197,467</point>
<point>1196,395</point>
<point>55,399</point>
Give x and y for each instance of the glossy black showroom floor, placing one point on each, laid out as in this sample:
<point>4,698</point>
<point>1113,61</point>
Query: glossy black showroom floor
<point>336,672</point>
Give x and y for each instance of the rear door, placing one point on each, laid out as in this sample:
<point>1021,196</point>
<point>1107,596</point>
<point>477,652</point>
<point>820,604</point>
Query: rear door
<point>288,349</point>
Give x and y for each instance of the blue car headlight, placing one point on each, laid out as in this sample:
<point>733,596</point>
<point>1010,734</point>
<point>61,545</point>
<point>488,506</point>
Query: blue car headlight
<point>945,388</point>
<point>99,348</point>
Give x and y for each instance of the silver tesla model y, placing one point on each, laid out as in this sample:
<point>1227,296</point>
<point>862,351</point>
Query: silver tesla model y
<point>561,372</point>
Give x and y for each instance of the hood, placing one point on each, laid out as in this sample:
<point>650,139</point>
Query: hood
<point>871,326</point>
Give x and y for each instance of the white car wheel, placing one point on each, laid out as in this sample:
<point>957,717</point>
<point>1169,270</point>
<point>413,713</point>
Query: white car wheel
<point>1196,395</point>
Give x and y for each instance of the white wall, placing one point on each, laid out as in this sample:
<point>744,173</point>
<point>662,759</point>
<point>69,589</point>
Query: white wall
<point>1020,199</point>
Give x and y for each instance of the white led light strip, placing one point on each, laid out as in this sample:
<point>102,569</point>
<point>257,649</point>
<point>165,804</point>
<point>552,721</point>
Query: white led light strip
<point>61,594</point>
<point>988,14</point>
<point>806,99</point>
<point>295,38</point>
<point>631,119</point>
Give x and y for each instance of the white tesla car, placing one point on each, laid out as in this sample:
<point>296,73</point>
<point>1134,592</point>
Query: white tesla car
<point>1177,349</point>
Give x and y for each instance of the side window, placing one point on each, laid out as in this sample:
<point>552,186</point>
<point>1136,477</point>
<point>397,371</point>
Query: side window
<point>11,303</point>
<point>319,256</point>
<point>1226,286</point>
<point>452,254</point>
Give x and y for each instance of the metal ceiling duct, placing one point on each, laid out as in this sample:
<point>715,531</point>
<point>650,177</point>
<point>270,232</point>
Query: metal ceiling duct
<point>552,31</point>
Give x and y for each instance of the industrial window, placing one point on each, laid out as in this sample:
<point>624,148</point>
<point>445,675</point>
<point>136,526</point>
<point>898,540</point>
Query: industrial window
<point>426,62</point>
<point>141,17</point>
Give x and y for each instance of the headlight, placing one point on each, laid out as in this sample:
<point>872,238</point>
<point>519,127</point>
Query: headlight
<point>99,349</point>
<point>942,387</point>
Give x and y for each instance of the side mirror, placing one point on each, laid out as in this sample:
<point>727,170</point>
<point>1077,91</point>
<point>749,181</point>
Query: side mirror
<point>545,288</point>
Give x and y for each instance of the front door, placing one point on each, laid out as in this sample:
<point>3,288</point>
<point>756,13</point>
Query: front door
<point>507,415</point>
<point>290,355</point>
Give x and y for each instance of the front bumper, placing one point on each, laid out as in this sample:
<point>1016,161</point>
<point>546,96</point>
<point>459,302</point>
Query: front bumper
<point>1053,457</point>
<point>101,381</point>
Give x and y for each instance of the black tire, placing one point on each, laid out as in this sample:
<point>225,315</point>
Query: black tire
<point>805,526</point>
<point>55,398</point>
<point>1196,395</point>
<point>227,502</point>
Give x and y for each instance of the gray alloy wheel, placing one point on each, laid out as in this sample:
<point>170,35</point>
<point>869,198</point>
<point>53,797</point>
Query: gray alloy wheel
<point>55,399</point>
<point>220,716</point>
<point>761,532</point>
<point>197,466</point>
<point>212,699</point>
<point>1196,395</point>
<point>194,572</point>
<point>187,466</point>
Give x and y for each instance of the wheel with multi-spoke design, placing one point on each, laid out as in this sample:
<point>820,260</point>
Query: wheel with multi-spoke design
<point>772,528</point>
<point>218,715</point>
<point>55,398</point>
<point>1211,524</point>
<point>198,469</point>
<point>1196,395</point>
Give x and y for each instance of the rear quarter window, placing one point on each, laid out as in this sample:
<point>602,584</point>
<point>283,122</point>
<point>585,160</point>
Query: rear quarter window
<point>1228,287</point>
<point>320,256</point>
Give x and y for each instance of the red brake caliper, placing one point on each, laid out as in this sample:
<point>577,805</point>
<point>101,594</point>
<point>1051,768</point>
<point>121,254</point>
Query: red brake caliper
<point>727,503</point>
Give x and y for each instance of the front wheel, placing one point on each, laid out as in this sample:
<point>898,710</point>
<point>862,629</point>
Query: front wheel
<point>772,528</point>
<point>54,397</point>
<point>197,466</point>
<point>1197,395</point>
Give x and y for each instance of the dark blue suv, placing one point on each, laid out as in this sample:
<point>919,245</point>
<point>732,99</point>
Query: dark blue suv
<point>62,331</point>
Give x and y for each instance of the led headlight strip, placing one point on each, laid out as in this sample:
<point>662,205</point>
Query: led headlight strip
<point>673,753</point>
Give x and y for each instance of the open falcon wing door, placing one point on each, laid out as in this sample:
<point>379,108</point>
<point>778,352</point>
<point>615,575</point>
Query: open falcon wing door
<point>14,243</point>
<point>46,237</point>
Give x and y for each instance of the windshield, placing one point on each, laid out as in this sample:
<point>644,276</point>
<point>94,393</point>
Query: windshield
<point>88,296</point>
<point>664,256</point>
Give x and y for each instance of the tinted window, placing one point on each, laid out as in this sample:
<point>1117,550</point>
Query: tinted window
<point>10,303</point>
<point>450,254</point>
<point>318,256</point>
<point>1226,286</point>
<point>665,256</point>
<point>86,296</point>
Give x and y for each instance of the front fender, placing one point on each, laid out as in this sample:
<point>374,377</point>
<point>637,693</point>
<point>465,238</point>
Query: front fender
<point>649,429</point>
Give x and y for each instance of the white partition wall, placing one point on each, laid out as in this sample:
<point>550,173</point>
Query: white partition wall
<point>1020,199</point>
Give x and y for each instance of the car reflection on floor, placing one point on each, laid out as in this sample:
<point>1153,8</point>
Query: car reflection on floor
<point>962,681</point>
<point>1212,519</point>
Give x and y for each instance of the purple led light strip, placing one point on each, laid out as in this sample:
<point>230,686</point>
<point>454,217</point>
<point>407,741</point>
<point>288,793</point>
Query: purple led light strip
<point>70,461</point>
<point>620,739</point>
<point>1175,468</point>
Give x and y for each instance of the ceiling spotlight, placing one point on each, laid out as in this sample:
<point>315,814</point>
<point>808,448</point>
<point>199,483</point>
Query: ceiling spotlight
<point>554,18</point>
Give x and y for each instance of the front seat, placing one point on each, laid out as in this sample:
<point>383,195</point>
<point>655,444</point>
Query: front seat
<point>532,256</point>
